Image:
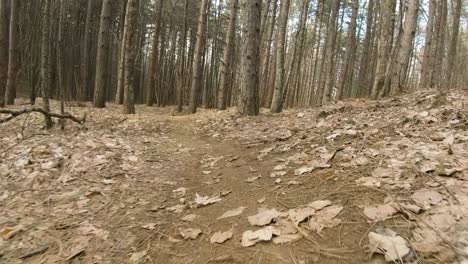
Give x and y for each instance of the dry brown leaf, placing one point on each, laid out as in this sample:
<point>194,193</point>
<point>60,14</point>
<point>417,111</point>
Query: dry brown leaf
<point>250,238</point>
<point>300,214</point>
<point>264,217</point>
<point>393,246</point>
<point>190,233</point>
<point>426,197</point>
<point>221,237</point>
<point>189,217</point>
<point>232,213</point>
<point>9,232</point>
<point>202,201</point>
<point>381,212</point>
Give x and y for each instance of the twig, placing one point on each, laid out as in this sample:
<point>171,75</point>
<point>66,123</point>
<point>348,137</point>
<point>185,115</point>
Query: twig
<point>15,113</point>
<point>34,252</point>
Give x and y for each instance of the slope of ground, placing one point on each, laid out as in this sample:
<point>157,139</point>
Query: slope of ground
<point>354,182</point>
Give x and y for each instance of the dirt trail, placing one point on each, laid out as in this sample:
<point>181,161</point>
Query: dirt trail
<point>122,189</point>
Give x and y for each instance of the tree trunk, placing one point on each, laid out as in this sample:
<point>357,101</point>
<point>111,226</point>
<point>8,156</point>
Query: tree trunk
<point>45,80</point>
<point>150,84</point>
<point>453,42</point>
<point>181,67</point>
<point>197,74</point>
<point>250,59</point>
<point>385,42</point>
<point>102,55</point>
<point>400,68</point>
<point>131,24</point>
<point>426,70</point>
<point>363,78</point>
<point>84,89</point>
<point>330,53</point>
<point>277,101</point>
<point>226,69</point>
<point>13,57</point>
<point>347,67</point>
<point>121,68</point>
<point>3,49</point>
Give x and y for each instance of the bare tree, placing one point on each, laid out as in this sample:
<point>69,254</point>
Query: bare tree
<point>13,57</point>
<point>130,29</point>
<point>3,49</point>
<point>277,101</point>
<point>103,55</point>
<point>226,67</point>
<point>150,84</point>
<point>197,73</point>
<point>249,101</point>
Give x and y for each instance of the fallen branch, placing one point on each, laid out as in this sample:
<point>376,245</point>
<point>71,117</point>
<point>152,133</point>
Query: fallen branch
<point>15,113</point>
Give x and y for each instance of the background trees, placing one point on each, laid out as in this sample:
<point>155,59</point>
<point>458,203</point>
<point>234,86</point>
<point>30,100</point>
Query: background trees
<point>311,51</point>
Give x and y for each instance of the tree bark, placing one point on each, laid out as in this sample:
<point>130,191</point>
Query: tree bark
<point>426,70</point>
<point>83,91</point>
<point>330,53</point>
<point>13,57</point>
<point>130,29</point>
<point>250,59</point>
<point>3,49</point>
<point>151,83</point>
<point>385,42</point>
<point>453,42</point>
<point>197,73</point>
<point>277,101</point>
<point>226,69</point>
<point>400,68</point>
<point>347,67</point>
<point>45,80</point>
<point>102,55</point>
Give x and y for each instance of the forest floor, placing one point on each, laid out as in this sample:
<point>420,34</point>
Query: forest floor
<point>354,182</point>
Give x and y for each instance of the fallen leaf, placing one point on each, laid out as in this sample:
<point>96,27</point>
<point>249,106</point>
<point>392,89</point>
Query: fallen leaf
<point>262,200</point>
<point>449,143</point>
<point>250,238</point>
<point>300,214</point>
<point>177,208</point>
<point>221,237</point>
<point>252,179</point>
<point>200,200</point>
<point>9,232</point>
<point>288,238</point>
<point>190,233</point>
<point>150,226</point>
<point>180,191</point>
<point>232,213</point>
<point>138,257</point>
<point>279,168</point>
<point>189,217</point>
<point>264,217</point>
<point>380,212</point>
<point>426,197</point>
<point>319,205</point>
<point>391,245</point>
<point>325,218</point>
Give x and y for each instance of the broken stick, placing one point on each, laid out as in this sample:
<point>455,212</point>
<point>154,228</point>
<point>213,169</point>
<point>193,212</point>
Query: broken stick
<point>15,113</point>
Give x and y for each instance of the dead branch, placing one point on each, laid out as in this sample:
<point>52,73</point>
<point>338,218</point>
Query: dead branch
<point>15,113</point>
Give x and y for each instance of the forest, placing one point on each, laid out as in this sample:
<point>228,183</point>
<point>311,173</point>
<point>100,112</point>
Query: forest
<point>234,131</point>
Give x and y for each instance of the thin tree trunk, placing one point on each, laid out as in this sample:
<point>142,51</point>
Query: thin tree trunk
<point>197,74</point>
<point>102,55</point>
<point>83,91</point>
<point>347,67</point>
<point>387,21</point>
<point>131,24</point>
<point>181,79</point>
<point>3,49</point>
<point>226,69</point>
<point>330,53</point>
<point>400,68</point>
<point>13,57</point>
<point>277,101</point>
<point>453,42</point>
<point>250,59</point>
<point>45,63</point>
<point>150,84</point>
<point>427,59</point>
<point>121,67</point>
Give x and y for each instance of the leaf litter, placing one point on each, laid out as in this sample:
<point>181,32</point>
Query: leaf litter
<point>400,146</point>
